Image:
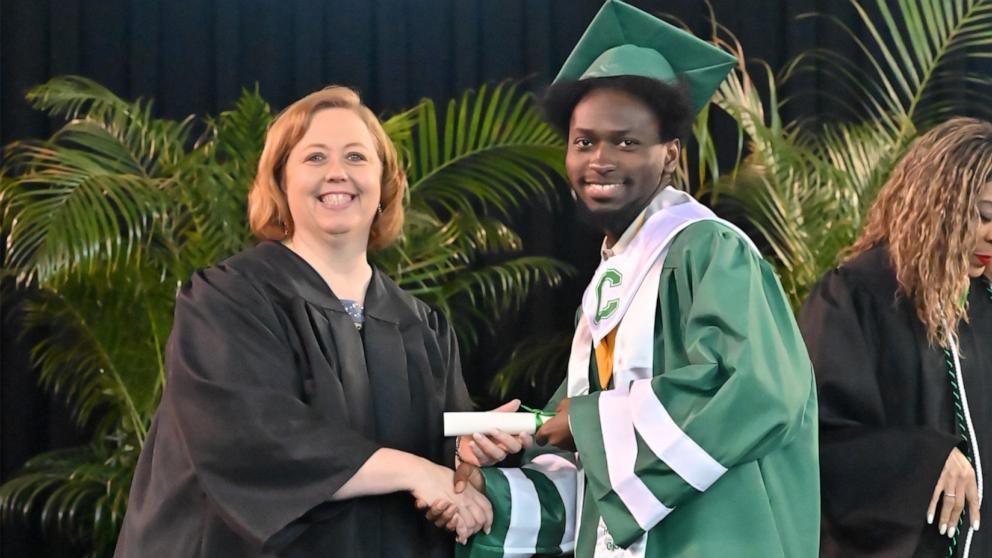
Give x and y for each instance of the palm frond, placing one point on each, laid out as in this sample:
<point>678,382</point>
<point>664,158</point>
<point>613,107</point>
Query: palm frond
<point>87,355</point>
<point>484,295</point>
<point>911,52</point>
<point>70,214</point>
<point>491,149</point>
<point>806,190</point>
<point>79,492</point>
<point>93,193</point>
<point>215,180</point>
<point>158,144</point>
<point>505,286</point>
<point>540,362</point>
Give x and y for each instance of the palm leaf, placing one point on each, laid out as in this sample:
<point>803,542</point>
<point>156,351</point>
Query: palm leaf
<point>80,493</point>
<point>911,53</point>
<point>469,173</point>
<point>215,180</point>
<point>806,189</point>
<point>86,354</point>
<point>69,215</point>
<point>492,149</point>
<point>93,193</point>
<point>540,363</point>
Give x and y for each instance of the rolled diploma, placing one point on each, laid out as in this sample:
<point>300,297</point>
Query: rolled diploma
<point>461,424</point>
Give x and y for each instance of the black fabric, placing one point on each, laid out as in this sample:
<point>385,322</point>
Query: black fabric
<point>886,410</point>
<point>273,402</point>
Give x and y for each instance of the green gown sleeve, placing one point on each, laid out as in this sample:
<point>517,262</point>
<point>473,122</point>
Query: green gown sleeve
<point>533,505</point>
<point>731,382</point>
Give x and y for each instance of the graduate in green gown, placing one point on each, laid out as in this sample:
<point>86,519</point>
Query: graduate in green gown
<point>687,423</point>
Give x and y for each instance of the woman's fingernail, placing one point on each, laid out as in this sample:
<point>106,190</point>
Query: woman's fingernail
<point>929,519</point>
<point>975,525</point>
<point>950,533</point>
<point>943,528</point>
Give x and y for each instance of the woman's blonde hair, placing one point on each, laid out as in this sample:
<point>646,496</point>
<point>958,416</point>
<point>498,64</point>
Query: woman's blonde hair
<point>268,210</point>
<point>927,214</point>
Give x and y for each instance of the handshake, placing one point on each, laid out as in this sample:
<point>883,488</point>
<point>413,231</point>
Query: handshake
<point>456,500</point>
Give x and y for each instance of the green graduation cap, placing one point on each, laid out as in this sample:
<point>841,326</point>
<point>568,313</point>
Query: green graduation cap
<point>623,40</point>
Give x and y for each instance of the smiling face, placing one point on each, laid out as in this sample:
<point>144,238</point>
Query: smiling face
<point>981,258</point>
<point>615,160</point>
<point>332,179</point>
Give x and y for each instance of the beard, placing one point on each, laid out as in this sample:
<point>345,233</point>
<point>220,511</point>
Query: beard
<point>613,221</point>
<point>610,221</point>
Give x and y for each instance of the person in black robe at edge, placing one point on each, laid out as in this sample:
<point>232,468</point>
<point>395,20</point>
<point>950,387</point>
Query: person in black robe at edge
<point>905,400</point>
<point>305,390</point>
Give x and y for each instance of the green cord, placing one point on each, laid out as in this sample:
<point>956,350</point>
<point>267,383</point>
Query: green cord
<point>959,418</point>
<point>540,417</point>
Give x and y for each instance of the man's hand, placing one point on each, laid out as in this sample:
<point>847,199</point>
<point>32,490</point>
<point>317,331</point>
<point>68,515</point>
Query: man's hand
<point>557,431</point>
<point>958,484</point>
<point>487,449</point>
<point>469,475</point>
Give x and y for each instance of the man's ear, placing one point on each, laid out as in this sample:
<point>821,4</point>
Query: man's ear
<point>673,151</point>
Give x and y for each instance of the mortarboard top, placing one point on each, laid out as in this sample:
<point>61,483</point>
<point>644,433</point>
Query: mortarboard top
<point>623,40</point>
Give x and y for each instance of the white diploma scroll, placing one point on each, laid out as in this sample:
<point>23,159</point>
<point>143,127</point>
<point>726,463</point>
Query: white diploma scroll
<point>462,424</point>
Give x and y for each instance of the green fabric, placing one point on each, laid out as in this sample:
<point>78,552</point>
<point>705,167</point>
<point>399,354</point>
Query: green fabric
<point>589,522</point>
<point>731,369</point>
<point>552,528</point>
<point>552,511</point>
<point>583,415</point>
<point>623,40</point>
<point>482,545</point>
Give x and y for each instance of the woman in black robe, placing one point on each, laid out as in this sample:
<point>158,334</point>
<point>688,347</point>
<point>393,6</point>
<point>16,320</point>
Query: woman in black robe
<point>305,389</point>
<point>905,402</point>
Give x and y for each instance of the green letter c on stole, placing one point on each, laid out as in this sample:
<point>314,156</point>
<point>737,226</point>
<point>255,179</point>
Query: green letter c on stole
<point>603,311</point>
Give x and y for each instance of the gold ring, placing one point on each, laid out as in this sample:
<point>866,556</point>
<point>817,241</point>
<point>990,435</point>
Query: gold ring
<point>949,495</point>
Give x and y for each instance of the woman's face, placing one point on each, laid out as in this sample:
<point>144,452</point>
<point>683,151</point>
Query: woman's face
<point>981,258</point>
<point>333,179</point>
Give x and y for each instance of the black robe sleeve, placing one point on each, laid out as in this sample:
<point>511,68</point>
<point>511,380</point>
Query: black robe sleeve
<point>878,470</point>
<point>260,453</point>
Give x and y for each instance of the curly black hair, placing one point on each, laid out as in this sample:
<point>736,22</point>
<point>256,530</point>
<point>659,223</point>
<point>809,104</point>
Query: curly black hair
<point>669,102</point>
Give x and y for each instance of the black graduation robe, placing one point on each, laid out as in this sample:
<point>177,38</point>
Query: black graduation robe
<point>886,411</point>
<point>273,401</point>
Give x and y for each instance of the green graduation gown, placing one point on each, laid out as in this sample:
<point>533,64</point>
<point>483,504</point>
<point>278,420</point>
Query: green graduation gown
<point>724,430</point>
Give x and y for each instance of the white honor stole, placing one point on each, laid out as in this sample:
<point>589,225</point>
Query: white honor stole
<point>626,286</point>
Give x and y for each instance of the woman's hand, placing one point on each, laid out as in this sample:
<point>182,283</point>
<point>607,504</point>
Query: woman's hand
<point>557,431</point>
<point>956,485</point>
<point>465,513</point>
<point>483,450</point>
<point>477,502</point>
<point>444,514</point>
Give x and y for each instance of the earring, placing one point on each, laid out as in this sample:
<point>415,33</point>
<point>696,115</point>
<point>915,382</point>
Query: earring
<point>379,210</point>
